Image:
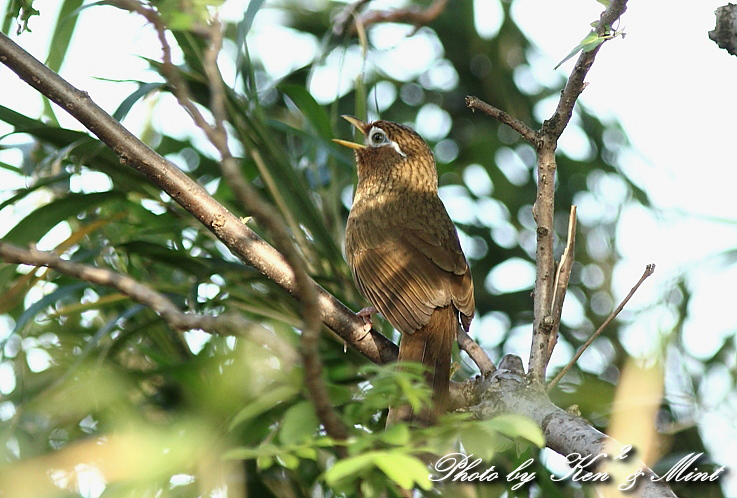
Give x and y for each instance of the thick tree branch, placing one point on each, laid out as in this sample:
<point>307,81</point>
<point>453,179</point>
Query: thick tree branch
<point>246,244</point>
<point>508,391</point>
<point>724,33</point>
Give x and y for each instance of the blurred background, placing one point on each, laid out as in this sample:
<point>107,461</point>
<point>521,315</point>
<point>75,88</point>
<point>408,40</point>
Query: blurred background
<point>648,159</point>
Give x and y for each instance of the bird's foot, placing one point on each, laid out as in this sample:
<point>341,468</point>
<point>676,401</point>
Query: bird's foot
<point>365,315</point>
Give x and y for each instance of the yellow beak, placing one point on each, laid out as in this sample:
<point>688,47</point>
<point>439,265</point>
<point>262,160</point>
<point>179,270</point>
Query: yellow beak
<point>361,127</point>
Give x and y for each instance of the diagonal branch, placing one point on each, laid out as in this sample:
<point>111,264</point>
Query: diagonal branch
<point>411,15</point>
<point>240,239</point>
<point>475,352</point>
<point>260,210</point>
<point>649,270</point>
<point>225,324</point>
<point>562,277</point>
<point>475,103</point>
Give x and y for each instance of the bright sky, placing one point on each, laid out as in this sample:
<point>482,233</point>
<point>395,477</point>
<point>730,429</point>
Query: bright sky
<point>669,85</point>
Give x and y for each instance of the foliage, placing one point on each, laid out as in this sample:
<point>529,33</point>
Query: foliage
<point>188,411</point>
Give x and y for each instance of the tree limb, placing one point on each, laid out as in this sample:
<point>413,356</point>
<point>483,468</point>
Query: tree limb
<point>475,103</point>
<point>475,352</point>
<point>544,208</point>
<point>245,243</point>
<point>724,33</point>
<point>225,324</point>
<point>508,391</point>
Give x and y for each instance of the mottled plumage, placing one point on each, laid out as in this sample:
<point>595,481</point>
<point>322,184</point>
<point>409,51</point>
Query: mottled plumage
<point>404,251</point>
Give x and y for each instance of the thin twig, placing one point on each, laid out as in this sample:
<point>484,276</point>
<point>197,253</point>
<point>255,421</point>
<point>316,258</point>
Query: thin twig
<point>475,352</point>
<point>137,291</point>
<point>649,270</point>
<point>412,15</point>
<point>562,277</point>
<point>554,126</point>
<point>342,21</point>
<point>475,103</point>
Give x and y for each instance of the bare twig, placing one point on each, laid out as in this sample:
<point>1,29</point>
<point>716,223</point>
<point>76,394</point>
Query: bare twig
<point>137,291</point>
<point>562,277</point>
<point>544,208</point>
<point>343,20</point>
<point>554,126</point>
<point>475,103</point>
<point>475,352</point>
<point>416,17</point>
<point>649,270</point>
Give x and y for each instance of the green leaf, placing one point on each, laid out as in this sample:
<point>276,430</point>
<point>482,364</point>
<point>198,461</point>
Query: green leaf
<point>265,450</point>
<point>515,426</point>
<point>306,452</point>
<point>288,461</point>
<point>478,442</point>
<point>66,21</point>
<point>38,223</point>
<point>264,462</point>
<point>590,42</point>
<point>403,469</point>
<point>142,91</point>
<point>48,300</point>
<point>348,469</point>
<point>397,434</point>
<point>339,395</point>
<point>39,183</point>
<point>263,403</point>
<point>202,267</point>
<point>299,424</point>
<point>310,109</point>
<point>244,26</point>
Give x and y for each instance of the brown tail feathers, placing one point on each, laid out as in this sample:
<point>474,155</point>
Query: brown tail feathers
<point>432,346</point>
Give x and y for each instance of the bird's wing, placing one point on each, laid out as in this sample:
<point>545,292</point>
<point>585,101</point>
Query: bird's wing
<point>407,273</point>
<point>441,245</point>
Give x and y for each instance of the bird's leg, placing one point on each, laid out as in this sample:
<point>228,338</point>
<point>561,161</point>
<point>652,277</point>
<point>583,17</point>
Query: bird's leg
<point>365,315</point>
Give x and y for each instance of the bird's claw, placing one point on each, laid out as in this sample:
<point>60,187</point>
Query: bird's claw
<point>365,315</point>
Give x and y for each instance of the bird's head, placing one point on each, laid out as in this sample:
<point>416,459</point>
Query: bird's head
<point>392,152</point>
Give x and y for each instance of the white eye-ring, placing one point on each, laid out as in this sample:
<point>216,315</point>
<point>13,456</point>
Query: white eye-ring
<point>377,138</point>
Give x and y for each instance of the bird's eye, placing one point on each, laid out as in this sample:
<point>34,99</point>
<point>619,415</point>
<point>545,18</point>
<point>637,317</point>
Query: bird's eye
<point>377,137</point>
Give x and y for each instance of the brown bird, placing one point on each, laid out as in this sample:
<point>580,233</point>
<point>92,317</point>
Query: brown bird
<point>404,253</point>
